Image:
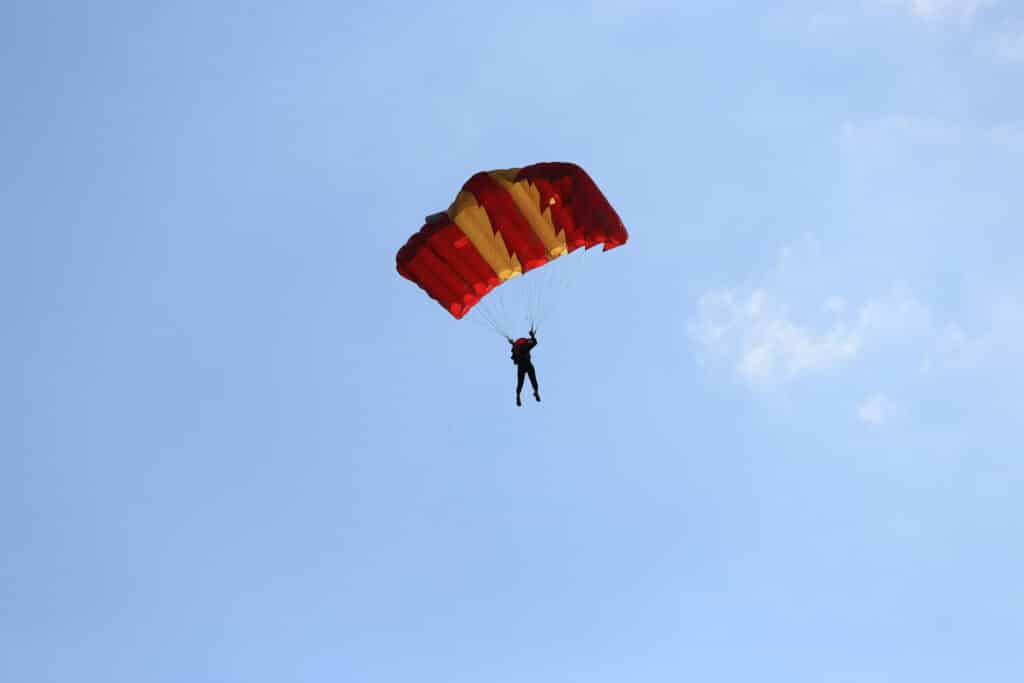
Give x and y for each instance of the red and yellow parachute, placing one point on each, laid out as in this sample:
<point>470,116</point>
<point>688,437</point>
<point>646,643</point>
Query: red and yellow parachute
<point>503,224</point>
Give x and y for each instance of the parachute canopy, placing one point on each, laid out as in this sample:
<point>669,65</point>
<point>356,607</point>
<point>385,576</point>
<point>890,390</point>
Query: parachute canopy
<point>503,224</point>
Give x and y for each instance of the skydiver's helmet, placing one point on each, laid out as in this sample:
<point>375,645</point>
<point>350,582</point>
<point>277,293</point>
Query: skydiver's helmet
<point>521,341</point>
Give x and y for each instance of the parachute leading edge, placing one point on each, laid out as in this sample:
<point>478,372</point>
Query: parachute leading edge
<point>505,223</point>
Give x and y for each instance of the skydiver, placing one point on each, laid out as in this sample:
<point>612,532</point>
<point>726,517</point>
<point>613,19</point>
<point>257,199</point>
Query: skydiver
<point>521,357</point>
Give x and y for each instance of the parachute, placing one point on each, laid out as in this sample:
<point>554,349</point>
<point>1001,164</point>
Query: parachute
<point>503,224</point>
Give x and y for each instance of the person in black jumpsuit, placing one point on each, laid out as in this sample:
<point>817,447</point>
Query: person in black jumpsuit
<point>521,357</point>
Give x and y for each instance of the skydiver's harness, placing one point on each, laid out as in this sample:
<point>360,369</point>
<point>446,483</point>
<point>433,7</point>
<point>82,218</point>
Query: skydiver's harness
<point>517,355</point>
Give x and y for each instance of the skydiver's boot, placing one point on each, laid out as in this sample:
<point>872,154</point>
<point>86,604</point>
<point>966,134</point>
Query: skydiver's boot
<point>536,395</point>
<point>519,401</point>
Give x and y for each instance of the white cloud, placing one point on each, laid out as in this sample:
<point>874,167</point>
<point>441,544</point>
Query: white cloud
<point>876,410</point>
<point>769,343</point>
<point>789,326</point>
<point>915,291</point>
<point>769,340</point>
<point>764,343</point>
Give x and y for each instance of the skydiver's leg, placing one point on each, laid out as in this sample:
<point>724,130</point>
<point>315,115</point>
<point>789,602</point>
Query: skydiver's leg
<point>521,375</point>
<point>533,381</point>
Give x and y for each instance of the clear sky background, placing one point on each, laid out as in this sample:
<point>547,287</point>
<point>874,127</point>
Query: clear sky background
<point>781,436</point>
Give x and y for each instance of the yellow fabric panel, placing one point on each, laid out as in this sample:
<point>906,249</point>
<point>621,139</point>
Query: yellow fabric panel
<point>527,199</point>
<point>473,221</point>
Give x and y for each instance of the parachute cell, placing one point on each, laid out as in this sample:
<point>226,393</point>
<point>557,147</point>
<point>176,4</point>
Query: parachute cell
<point>505,223</point>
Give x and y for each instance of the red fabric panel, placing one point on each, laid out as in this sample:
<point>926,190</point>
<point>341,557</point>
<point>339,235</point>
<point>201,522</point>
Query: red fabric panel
<point>506,219</point>
<point>552,192</point>
<point>447,266</point>
<point>455,249</point>
<point>462,289</point>
<point>594,220</point>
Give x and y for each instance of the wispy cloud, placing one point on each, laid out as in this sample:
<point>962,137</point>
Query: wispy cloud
<point>914,289</point>
<point>786,327</point>
<point>765,344</point>
<point>769,340</point>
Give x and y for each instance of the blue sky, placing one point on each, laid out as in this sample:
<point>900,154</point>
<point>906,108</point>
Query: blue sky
<point>781,430</point>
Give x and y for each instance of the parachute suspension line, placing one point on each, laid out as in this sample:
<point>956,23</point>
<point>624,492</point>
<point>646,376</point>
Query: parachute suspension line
<point>504,310</point>
<point>558,286</point>
<point>540,286</point>
<point>531,303</point>
<point>487,314</point>
<point>544,291</point>
<point>534,301</point>
<point>480,317</point>
<point>501,315</point>
<point>544,286</point>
